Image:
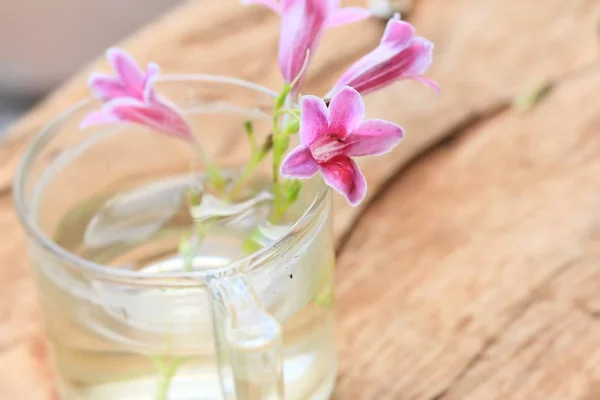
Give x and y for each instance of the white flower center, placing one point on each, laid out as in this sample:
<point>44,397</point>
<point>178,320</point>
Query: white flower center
<point>327,147</point>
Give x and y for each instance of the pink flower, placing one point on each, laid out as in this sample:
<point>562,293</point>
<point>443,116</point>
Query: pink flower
<point>302,25</point>
<point>400,55</point>
<point>331,136</point>
<point>131,97</point>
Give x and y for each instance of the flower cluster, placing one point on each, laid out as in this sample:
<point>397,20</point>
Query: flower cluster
<point>331,136</point>
<point>130,97</point>
<point>332,129</point>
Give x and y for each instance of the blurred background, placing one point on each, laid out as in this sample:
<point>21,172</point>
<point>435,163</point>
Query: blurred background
<point>38,49</point>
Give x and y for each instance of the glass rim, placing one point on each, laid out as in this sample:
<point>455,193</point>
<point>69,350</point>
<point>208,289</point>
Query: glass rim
<point>33,231</point>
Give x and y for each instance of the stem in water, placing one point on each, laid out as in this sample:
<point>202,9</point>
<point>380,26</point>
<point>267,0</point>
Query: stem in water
<point>212,171</point>
<point>167,371</point>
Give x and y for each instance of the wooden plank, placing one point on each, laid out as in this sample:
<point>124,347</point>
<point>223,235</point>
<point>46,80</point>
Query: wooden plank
<point>492,256</point>
<point>464,257</point>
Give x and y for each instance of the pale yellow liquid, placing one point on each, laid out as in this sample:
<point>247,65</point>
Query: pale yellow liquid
<point>115,341</point>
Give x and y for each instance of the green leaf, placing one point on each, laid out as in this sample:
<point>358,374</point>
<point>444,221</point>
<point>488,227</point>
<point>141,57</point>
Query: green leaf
<point>527,100</point>
<point>291,190</point>
<point>292,127</point>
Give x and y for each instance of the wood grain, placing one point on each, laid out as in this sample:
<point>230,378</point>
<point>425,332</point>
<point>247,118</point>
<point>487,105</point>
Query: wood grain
<point>494,270</point>
<point>471,275</point>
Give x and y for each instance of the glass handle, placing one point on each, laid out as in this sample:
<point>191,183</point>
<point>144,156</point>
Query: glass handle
<point>249,344</point>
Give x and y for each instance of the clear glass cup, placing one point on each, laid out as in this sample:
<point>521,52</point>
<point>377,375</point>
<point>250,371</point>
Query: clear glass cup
<point>105,209</point>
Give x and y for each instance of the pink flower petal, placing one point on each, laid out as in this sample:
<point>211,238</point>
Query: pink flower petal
<point>396,38</point>
<point>100,117</point>
<point>127,70</point>
<point>152,72</point>
<point>373,137</point>
<point>411,62</point>
<point>161,119</point>
<point>272,4</point>
<point>426,81</point>
<point>302,25</point>
<point>418,56</point>
<point>314,119</point>
<point>173,118</point>
<point>400,55</point>
<point>347,15</point>
<point>105,87</point>
<point>131,97</point>
<point>408,63</point>
<point>343,175</point>
<point>347,111</point>
<point>299,163</point>
<point>397,33</point>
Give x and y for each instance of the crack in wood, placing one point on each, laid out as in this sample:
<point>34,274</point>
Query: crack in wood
<point>521,309</point>
<point>588,312</point>
<point>5,191</point>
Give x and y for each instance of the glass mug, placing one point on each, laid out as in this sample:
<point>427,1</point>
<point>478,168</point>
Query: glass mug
<point>104,210</point>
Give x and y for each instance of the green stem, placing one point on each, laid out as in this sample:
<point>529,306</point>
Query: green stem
<point>167,372</point>
<point>212,171</point>
<point>276,162</point>
<point>258,154</point>
<point>189,246</point>
<point>291,112</point>
<point>248,170</point>
<point>280,145</point>
<point>249,127</point>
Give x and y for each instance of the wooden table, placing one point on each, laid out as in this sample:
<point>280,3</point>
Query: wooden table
<point>472,272</point>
